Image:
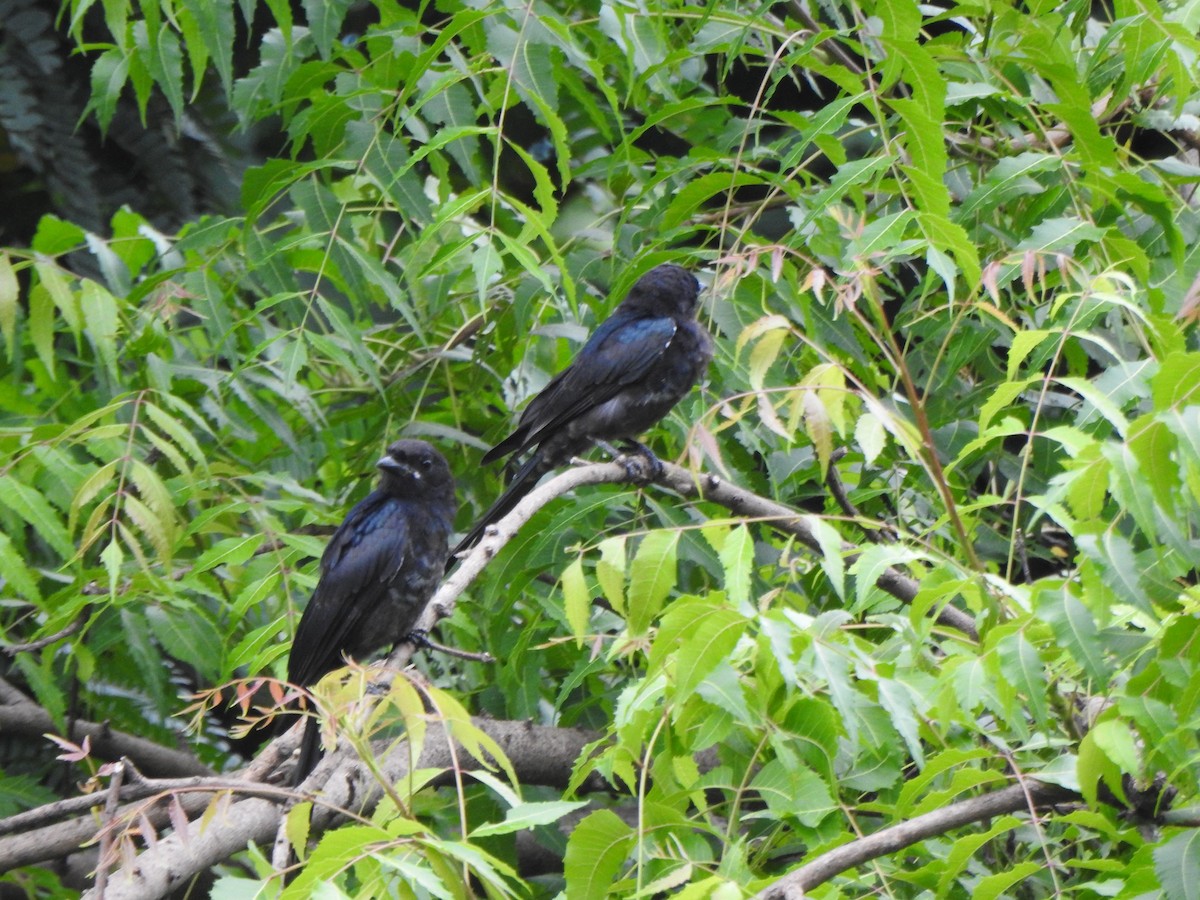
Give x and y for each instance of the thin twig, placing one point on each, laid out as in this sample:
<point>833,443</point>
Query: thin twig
<point>31,646</point>
<point>106,833</point>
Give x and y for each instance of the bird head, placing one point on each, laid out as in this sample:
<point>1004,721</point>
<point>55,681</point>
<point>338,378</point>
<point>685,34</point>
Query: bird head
<point>665,290</point>
<point>414,467</point>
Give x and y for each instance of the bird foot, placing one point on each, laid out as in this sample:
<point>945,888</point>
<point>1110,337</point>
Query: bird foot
<point>419,638</point>
<point>640,464</point>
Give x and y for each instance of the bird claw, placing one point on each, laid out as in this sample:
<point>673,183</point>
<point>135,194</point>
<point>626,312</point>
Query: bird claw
<point>419,638</point>
<point>641,465</point>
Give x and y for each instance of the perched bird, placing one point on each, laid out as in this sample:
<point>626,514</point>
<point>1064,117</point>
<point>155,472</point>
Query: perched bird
<point>380,569</point>
<point>637,364</point>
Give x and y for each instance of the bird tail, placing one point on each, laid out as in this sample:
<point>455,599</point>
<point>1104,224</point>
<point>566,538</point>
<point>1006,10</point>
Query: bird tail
<point>522,483</point>
<point>310,750</point>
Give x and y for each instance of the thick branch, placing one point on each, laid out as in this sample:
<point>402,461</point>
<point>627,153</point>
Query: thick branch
<point>1029,796</point>
<point>540,755</point>
<point>24,718</point>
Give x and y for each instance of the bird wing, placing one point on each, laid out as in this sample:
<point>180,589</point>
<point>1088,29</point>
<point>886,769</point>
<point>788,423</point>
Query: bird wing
<point>364,556</point>
<point>619,354</point>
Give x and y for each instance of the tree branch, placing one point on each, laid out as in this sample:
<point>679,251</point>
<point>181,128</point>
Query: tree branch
<point>22,717</point>
<point>745,503</point>
<point>539,754</point>
<point>684,482</point>
<point>1031,796</point>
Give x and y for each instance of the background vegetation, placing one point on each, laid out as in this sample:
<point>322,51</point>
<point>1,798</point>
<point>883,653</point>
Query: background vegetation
<point>952,258</point>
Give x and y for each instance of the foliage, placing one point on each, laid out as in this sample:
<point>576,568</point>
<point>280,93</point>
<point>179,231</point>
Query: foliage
<point>943,242</point>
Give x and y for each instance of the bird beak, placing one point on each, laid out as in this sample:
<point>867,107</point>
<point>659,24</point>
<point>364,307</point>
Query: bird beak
<point>388,464</point>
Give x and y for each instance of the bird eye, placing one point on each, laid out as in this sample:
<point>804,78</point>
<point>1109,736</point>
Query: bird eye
<point>426,463</point>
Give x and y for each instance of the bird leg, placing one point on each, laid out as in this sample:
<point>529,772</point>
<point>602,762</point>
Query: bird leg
<point>419,638</point>
<point>653,467</point>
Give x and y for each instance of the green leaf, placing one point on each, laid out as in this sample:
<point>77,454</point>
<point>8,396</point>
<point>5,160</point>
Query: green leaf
<point>737,558</point>
<point>1010,178</point>
<point>595,854</point>
<point>188,636</point>
<point>163,56</point>
<point>610,572</point>
<point>112,557</point>
<point>296,827</point>
<point>1177,865</point>
<point>17,576</point>
<point>964,848</point>
<point>325,22</point>
<point>695,636</point>
<point>528,815</point>
<point>1177,381</point>
<point>9,295</point>
<point>110,71</point>
<point>231,551</point>
<point>1021,665</point>
<point>51,278</point>
<point>577,599</point>
<point>1076,630</point>
<point>792,790</point>
<point>871,437</point>
<point>31,505</point>
<point>214,20</point>
<point>1063,234</point>
<point>651,578</point>
<point>993,886</point>
<point>1119,744</point>
<point>99,309</point>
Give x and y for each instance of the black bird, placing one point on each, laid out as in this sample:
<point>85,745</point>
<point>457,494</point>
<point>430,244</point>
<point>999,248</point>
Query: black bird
<point>380,569</point>
<point>637,364</point>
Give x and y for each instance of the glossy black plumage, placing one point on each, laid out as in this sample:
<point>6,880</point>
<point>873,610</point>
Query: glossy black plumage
<point>379,570</point>
<point>634,368</point>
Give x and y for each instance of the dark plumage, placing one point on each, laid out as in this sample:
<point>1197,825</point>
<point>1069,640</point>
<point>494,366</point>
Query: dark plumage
<point>380,569</point>
<point>637,364</point>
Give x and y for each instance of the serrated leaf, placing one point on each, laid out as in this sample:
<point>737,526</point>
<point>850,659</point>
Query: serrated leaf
<point>51,278</point>
<point>296,826</point>
<point>763,356</point>
<point>577,600</point>
<point>1076,630</point>
<point>898,701</point>
<point>528,815</point>
<point>871,437</point>
<point>595,854</point>
<point>214,21</point>
<point>1177,865</point>
<point>708,639</point>
<point>110,71</point>
<point>1021,665</point>
<point>29,503</point>
<point>188,636</point>
<point>9,295</point>
<point>176,431</point>
<point>792,790</point>
<point>1119,743</point>
<point>993,886</point>
<point>325,22</point>
<point>163,56</point>
<point>17,576</point>
<point>651,578</point>
<point>737,559</point>
<point>99,309</point>
<point>112,557</point>
<point>610,572</point>
<point>231,551</point>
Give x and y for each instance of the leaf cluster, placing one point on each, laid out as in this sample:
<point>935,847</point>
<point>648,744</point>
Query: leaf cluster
<point>951,270</point>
